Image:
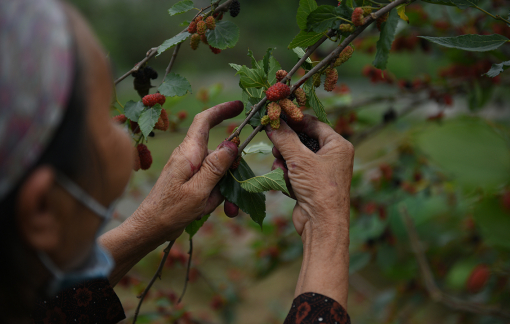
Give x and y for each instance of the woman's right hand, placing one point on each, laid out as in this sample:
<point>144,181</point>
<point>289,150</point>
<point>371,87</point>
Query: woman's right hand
<point>319,182</point>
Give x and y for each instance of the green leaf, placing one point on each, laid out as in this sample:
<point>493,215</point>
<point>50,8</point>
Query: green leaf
<point>253,204</point>
<point>314,102</point>
<point>254,63</point>
<point>236,67</point>
<point>273,180</point>
<point>305,8</point>
<point>179,38</point>
<point>225,35</point>
<point>267,58</point>
<point>300,53</point>
<point>148,119</point>
<point>181,7</point>
<point>494,222</point>
<point>473,43</point>
<point>252,78</point>
<point>386,38</point>
<point>464,4</point>
<point>195,225</point>
<point>132,110</point>
<point>497,68</point>
<point>344,11</point>
<point>274,66</point>
<point>262,148</point>
<point>174,86</point>
<point>321,19</point>
<point>401,10</point>
<point>304,39</point>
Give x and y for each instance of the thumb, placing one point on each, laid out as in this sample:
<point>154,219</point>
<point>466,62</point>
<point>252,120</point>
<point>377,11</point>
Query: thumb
<point>214,167</point>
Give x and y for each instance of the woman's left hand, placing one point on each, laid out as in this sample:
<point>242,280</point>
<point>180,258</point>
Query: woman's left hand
<point>187,187</point>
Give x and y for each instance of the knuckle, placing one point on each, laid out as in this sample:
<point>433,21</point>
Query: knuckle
<point>213,168</point>
<point>199,117</point>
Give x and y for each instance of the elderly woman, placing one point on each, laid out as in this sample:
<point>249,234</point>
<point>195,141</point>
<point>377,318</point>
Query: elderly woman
<point>64,163</point>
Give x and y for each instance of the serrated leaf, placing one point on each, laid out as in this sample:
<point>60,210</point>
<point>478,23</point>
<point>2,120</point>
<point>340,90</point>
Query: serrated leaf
<point>321,19</point>
<point>473,43</point>
<point>254,204</point>
<point>464,4</point>
<point>401,10</point>
<point>273,180</point>
<point>148,119</point>
<point>181,7</point>
<point>174,86</point>
<point>132,110</point>
<point>252,78</point>
<point>267,57</point>
<point>300,53</point>
<point>262,148</point>
<point>497,68</point>
<point>314,102</point>
<point>225,35</point>
<point>305,39</point>
<point>305,8</point>
<point>344,11</point>
<point>195,225</point>
<point>236,67</point>
<point>386,38</point>
<point>179,38</point>
<point>254,63</point>
<point>274,66</point>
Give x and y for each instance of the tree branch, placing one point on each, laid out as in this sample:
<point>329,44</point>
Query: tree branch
<point>187,270</point>
<point>435,293</point>
<point>150,54</point>
<point>172,61</point>
<point>156,275</point>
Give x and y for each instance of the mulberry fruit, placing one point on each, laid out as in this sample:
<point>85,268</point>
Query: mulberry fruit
<point>195,40</point>
<point>280,74</point>
<point>381,20</point>
<point>478,278</point>
<point>231,210</point>
<point>203,38</point>
<point>145,156</point>
<point>367,11</point>
<point>136,163</point>
<point>199,18</point>
<point>235,8</point>
<point>274,110</point>
<point>311,143</point>
<point>236,141</point>
<point>192,28</point>
<point>218,15</point>
<point>346,28</point>
<point>265,120</point>
<point>344,56</point>
<point>153,99</point>
<point>236,163</point>
<point>275,124</point>
<point>331,79</point>
<point>201,27</point>
<point>121,119</point>
<point>389,116</point>
<point>210,22</point>
<point>182,115</point>
<point>300,96</point>
<point>215,50</point>
<point>162,123</point>
<point>291,110</point>
<point>134,127</point>
<point>316,80</point>
<point>357,16</point>
<point>277,92</point>
<point>142,81</point>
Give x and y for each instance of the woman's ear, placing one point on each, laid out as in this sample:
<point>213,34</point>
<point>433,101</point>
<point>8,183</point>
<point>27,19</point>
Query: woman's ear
<point>36,215</point>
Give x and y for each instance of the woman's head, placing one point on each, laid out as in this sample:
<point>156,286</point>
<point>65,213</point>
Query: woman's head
<point>38,214</point>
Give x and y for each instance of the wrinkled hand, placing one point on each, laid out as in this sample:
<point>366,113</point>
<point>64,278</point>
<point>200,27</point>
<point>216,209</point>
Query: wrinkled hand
<point>319,182</point>
<point>187,187</point>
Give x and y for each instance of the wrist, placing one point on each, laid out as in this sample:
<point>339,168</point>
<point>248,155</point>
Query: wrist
<point>148,221</point>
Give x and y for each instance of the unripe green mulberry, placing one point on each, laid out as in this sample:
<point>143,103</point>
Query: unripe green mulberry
<point>367,11</point>
<point>210,22</point>
<point>317,80</point>
<point>195,40</point>
<point>265,120</point>
<point>344,56</point>
<point>275,124</point>
<point>331,79</point>
<point>274,110</point>
<point>300,96</point>
<point>201,27</point>
<point>291,110</point>
<point>346,28</point>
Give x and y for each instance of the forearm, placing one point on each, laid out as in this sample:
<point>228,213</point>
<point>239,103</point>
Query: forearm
<point>325,267</point>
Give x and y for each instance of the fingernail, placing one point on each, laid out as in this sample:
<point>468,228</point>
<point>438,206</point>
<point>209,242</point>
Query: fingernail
<point>269,130</point>
<point>230,147</point>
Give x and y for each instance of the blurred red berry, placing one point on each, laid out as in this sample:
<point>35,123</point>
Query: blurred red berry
<point>478,278</point>
<point>182,115</point>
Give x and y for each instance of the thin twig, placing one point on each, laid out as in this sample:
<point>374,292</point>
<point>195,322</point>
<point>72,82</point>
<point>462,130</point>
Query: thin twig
<point>187,270</point>
<point>156,275</point>
<point>248,140</point>
<point>435,293</point>
<point>172,61</point>
<point>497,17</point>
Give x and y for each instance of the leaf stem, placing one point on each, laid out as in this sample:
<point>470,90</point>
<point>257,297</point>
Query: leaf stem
<point>346,20</point>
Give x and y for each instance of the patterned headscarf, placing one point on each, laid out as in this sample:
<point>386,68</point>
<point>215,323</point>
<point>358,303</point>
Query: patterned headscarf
<point>36,73</point>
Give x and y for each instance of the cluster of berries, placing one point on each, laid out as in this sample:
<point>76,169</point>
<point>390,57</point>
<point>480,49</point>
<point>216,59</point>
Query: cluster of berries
<point>330,80</point>
<point>235,8</point>
<point>198,27</point>
<point>143,158</point>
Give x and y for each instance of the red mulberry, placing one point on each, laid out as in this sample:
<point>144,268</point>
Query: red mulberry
<point>331,79</point>
<point>210,22</point>
<point>357,16</point>
<point>163,122</point>
<point>277,92</point>
<point>215,50</point>
<point>145,156</point>
<point>274,110</point>
<point>381,20</point>
<point>291,110</point>
<point>280,74</point>
<point>195,40</point>
<point>121,119</point>
<point>300,96</point>
<point>192,28</point>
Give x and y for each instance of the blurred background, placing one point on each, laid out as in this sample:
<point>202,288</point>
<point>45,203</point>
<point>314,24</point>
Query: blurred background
<point>432,143</point>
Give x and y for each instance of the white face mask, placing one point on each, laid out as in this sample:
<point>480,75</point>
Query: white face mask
<point>98,264</point>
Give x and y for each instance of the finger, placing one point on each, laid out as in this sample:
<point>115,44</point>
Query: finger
<point>231,209</point>
<point>280,164</point>
<point>214,167</point>
<point>286,141</point>
<point>277,153</point>
<point>215,199</point>
<point>312,127</point>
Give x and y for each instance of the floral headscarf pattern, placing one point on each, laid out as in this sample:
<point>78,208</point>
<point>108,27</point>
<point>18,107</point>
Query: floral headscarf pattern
<point>36,72</point>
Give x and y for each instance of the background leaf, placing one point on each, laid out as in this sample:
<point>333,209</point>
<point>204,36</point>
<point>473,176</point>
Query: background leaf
<point>274,66</point>
<point>386,38</point>
<point>195,225</point>
<point>305,8</point>
<point>494,222</point>
<point>304,39</point>
<point>181,7</point>
<point>273,180</point>
<point>254,204</point>
<point>179,38</point>
<point>473,43</point>
<point>261,147</point>
<point>132,110</point>
<point>225,35</point>
<point>497,68</point>
<point>314,102</point>
<point>174,86</point>
<point>252,78</point>
<point>148,119</point>
<point>321,19</point>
